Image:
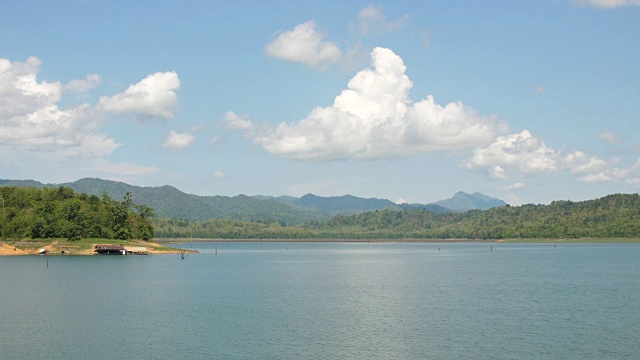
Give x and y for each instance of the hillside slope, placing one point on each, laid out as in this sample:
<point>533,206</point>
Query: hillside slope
<point>169,202</point>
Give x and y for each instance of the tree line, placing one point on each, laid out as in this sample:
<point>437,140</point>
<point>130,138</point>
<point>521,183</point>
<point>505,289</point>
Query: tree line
<point>38,213</point>
<point>613,216</point>
<point>61,213</point>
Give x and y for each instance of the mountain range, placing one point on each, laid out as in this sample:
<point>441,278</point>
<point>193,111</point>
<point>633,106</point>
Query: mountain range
<point>169,202</point>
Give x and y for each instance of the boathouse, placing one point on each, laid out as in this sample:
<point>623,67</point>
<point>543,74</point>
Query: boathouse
<point>136,250</point>
<point>109,249</point>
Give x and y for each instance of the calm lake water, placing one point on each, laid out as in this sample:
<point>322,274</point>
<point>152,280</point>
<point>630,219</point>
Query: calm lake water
<point>327,301</point>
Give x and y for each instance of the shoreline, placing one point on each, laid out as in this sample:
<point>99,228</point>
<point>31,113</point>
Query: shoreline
<point>156,247</point>
<point>408,240</point>
<point>404,240</point>
<point>56,247</point>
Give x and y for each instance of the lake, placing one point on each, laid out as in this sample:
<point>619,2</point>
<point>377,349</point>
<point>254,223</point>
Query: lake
<point>327,301</point>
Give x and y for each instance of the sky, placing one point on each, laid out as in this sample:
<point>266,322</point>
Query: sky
<point>529,101</point>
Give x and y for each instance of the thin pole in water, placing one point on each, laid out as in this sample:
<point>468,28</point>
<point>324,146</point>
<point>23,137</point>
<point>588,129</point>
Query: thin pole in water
<point>491,247</point>
<point>47,260</point>
<point>216,248</point>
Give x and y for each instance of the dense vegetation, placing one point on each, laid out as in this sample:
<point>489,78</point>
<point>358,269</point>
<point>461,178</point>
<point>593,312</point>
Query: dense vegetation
<point>229,229</point>
<point>39,213</point>
<point>169,202</point>
<point>612,216</point>
<point>62,213</point>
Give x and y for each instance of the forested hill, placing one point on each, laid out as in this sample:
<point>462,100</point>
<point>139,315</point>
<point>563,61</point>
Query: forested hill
<point>614,216</point>
<point>170,202</point>
<point>345,203</point>
<point>348,204</point>
<point>38,213</point>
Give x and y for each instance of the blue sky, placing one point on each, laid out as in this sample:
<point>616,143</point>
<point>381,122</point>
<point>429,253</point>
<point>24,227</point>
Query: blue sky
<point>529,101</point>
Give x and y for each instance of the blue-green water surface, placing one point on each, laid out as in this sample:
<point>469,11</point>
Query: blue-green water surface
<point>327,301</point>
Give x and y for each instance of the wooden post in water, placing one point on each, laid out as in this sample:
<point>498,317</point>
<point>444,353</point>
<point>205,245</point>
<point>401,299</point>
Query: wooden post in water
<point>216,248</point>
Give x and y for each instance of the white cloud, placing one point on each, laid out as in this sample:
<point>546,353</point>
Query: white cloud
<point>126,168</point>
<point>516,186</point>
<point>513,199</point>
<point>154,96</point>
<point>596,178</point>
<point>607,4</point>
<point>633,181</point>
<point>68,163</point>
<point>611,138</point>
<point>178,141</point>
<point>401,201</point>
<point>306,45</point>
<point>21,92</point>
<point>520,151</point>
<point>29,114</point>
<point>214,141</point>
<point>372,19</point>
<point>529,155</point>
<point>374,118</point>
<point>238,122</point>
<point>81,86</point>
<point>40,137</point>
<point>91,146</point>
<point>581,163</point>
<point>497,172</point>
<point>426,39</point>
<point>615,174</point>
<point>538,90</point>
<point>219,175</point>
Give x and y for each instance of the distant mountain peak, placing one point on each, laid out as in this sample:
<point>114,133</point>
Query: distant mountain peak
<point>462,201</point>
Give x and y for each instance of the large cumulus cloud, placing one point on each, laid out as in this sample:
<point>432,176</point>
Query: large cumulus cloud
<point>374,118</point>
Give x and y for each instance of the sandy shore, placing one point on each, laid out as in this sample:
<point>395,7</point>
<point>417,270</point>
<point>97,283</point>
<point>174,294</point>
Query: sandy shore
<point>6,249</point>
<point>56,248</point>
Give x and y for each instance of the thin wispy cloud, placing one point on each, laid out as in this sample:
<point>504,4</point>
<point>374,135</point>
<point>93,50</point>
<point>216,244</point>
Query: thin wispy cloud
<point>611,138</point>
<point>82,86</point>
<point>538,90</point>
<point>606,4</point>
<point>515,186</point>
<point>372,20</point>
